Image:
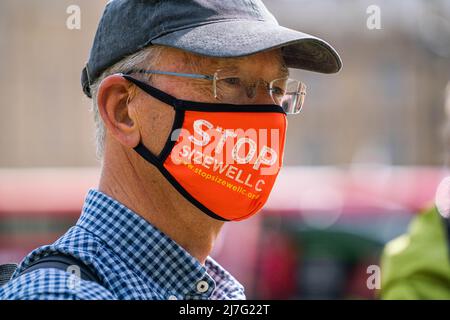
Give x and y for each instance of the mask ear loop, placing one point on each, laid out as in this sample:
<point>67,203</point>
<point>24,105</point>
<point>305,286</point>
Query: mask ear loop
<point>177,124</point>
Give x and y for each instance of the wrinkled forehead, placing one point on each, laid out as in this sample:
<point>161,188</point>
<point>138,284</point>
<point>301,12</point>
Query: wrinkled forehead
<point>268,64</point>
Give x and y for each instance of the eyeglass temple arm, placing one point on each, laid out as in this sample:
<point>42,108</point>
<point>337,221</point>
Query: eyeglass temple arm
<point>186,75</point>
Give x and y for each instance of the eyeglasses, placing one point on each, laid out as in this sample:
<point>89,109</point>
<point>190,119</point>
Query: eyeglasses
<point>228,87</point>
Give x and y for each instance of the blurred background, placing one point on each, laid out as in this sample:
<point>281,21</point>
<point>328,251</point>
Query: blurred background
<point>363,158</point>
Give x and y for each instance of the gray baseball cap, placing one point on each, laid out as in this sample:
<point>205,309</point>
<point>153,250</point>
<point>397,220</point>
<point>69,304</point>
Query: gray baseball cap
<point>214,28</point>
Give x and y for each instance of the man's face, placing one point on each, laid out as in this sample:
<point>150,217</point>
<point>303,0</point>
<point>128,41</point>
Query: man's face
<point>156,119</point>
<point>132,116</point>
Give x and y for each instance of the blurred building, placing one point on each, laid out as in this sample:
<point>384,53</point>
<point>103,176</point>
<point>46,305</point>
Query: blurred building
<point>386,105</point>
<point>44,117</point>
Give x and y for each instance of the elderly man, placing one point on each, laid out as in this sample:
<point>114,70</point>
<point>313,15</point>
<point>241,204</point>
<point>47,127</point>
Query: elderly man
<point>190,101</point>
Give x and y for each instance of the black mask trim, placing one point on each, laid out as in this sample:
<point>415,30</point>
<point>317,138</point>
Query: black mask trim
<point>150,157</point>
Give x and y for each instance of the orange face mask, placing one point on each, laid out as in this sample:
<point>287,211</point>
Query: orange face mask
<point>223,158</point>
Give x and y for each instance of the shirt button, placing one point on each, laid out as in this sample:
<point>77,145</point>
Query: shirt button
<point>172,297</point>
<point>202,286</point>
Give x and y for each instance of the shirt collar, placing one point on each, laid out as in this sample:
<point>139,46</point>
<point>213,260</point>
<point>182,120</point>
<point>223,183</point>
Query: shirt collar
<point>148,251</point>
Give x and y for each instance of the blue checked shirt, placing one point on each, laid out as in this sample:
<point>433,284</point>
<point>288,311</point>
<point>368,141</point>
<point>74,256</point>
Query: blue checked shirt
<point>132,258</point>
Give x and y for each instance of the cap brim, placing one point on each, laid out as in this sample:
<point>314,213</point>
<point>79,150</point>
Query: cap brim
<point>241,38</point>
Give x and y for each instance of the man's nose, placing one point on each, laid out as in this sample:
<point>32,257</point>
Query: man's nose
<point>258,94</point>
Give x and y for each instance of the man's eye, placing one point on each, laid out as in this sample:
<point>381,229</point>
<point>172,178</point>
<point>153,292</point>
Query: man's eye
<point>232,81</point>
<point>278,91</point>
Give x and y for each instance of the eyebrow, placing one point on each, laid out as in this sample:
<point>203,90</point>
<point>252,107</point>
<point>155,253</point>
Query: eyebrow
<point>282,72</point>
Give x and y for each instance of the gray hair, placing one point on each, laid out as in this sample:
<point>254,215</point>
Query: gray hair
<point>146,58</point>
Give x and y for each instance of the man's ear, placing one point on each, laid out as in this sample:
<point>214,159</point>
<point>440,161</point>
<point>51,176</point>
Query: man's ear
<point>118,116</point>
